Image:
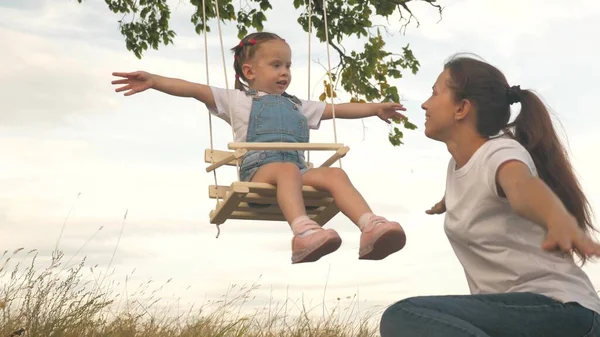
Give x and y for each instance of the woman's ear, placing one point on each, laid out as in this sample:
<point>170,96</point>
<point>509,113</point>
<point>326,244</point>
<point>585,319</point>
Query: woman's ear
<point>464,108</point>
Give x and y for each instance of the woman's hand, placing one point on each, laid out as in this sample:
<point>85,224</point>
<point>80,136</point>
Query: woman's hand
<point>564,234</point>
<point>438,208</point>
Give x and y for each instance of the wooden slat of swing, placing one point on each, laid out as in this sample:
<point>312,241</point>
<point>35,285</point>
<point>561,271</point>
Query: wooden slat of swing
<point>273,209</point>
<point>340,153</point>
<point>262,189</point>
<point>267,197</point>
<point>237,215</point>
<point>215,156</point>
<point>223,158</point>
<point>226,207</point>
<point>285,146</point>
<point>321,215</point>
<point>218,156</point>
<point>320,205</point>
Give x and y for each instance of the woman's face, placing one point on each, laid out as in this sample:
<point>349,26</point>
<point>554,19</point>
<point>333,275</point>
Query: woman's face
<point>440,109</point>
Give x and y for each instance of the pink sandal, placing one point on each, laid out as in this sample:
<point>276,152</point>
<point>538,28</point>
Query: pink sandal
<point>313,246</point>
<point>380,238</point>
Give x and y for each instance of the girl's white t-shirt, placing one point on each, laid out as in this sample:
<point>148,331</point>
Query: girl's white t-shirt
<point>499,250</point>
<point>241,105</point>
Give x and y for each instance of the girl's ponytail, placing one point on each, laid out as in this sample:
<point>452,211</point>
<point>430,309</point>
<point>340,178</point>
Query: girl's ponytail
<point>238,84</point>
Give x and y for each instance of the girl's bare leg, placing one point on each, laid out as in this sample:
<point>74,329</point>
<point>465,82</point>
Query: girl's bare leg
<point>287,178</point>
<point>335,181</point>
<point>379,237</point>
<point>310,241</point>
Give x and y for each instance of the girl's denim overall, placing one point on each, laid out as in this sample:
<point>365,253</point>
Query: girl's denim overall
<point>274,118</point>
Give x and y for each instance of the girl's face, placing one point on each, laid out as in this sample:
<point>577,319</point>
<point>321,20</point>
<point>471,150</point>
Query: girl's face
<point>440,109</point>
<point>269,69</point>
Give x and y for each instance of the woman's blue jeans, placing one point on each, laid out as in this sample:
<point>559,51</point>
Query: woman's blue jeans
<point>495,315</point>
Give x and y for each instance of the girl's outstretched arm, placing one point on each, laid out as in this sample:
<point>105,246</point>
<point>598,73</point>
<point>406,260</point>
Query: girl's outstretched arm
<point>531,198</point>
<point>385,111</point>
<point>139,81</point>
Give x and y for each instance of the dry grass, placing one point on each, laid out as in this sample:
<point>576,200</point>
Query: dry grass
<point>56,301</point>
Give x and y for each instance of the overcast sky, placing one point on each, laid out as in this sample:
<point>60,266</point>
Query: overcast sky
<point>67,140</point>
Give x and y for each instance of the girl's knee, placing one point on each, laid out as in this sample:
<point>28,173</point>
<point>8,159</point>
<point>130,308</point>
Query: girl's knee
<point>287,170</point>
<point>336,175</point>
<point>273,172</point>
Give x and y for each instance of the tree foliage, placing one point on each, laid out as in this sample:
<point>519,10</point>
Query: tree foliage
<point>362,73</point>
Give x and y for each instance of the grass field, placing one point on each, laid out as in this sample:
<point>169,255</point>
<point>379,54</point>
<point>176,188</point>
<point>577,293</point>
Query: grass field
<point>46,299</point>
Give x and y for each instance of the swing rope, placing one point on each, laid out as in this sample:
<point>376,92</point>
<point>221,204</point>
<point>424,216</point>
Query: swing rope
<point>210,129</point>
<point>309,54</point>
<point>226,80</point>
<point>209,114</point>
<point>226,87</point>
<point>329,73</point>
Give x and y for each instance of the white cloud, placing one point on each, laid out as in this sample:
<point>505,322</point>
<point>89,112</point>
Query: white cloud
<point>502,23</point>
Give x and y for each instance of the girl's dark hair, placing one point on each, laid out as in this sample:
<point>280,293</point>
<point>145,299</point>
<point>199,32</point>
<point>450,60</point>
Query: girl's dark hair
<point>489,92</point>
<point>245,51</point>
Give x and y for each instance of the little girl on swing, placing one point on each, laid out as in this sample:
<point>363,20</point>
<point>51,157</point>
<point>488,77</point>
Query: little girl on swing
<point>264,112</point>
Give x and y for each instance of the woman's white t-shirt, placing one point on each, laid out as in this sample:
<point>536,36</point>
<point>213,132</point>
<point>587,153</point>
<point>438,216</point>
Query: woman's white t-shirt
<point>499,250</point>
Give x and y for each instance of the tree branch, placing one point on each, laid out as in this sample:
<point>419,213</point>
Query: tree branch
<point>403,3</point>
<point>402,6</point>
<point>342,54</point>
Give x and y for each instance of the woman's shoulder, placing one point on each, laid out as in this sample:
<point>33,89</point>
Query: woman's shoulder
<point>504,140</point>
<point>503,143</point>
<point>503,148</point>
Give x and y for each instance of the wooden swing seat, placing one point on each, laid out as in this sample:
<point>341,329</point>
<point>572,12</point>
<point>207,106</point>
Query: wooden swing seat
<point>258,201</point>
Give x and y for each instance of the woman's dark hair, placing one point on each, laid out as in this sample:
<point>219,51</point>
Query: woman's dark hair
<point>245,51</point>
<point>489,92</point>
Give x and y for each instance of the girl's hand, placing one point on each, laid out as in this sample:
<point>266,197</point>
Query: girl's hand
<point>564,234</point>
<point>387,111</point>
<point>135,82</point>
